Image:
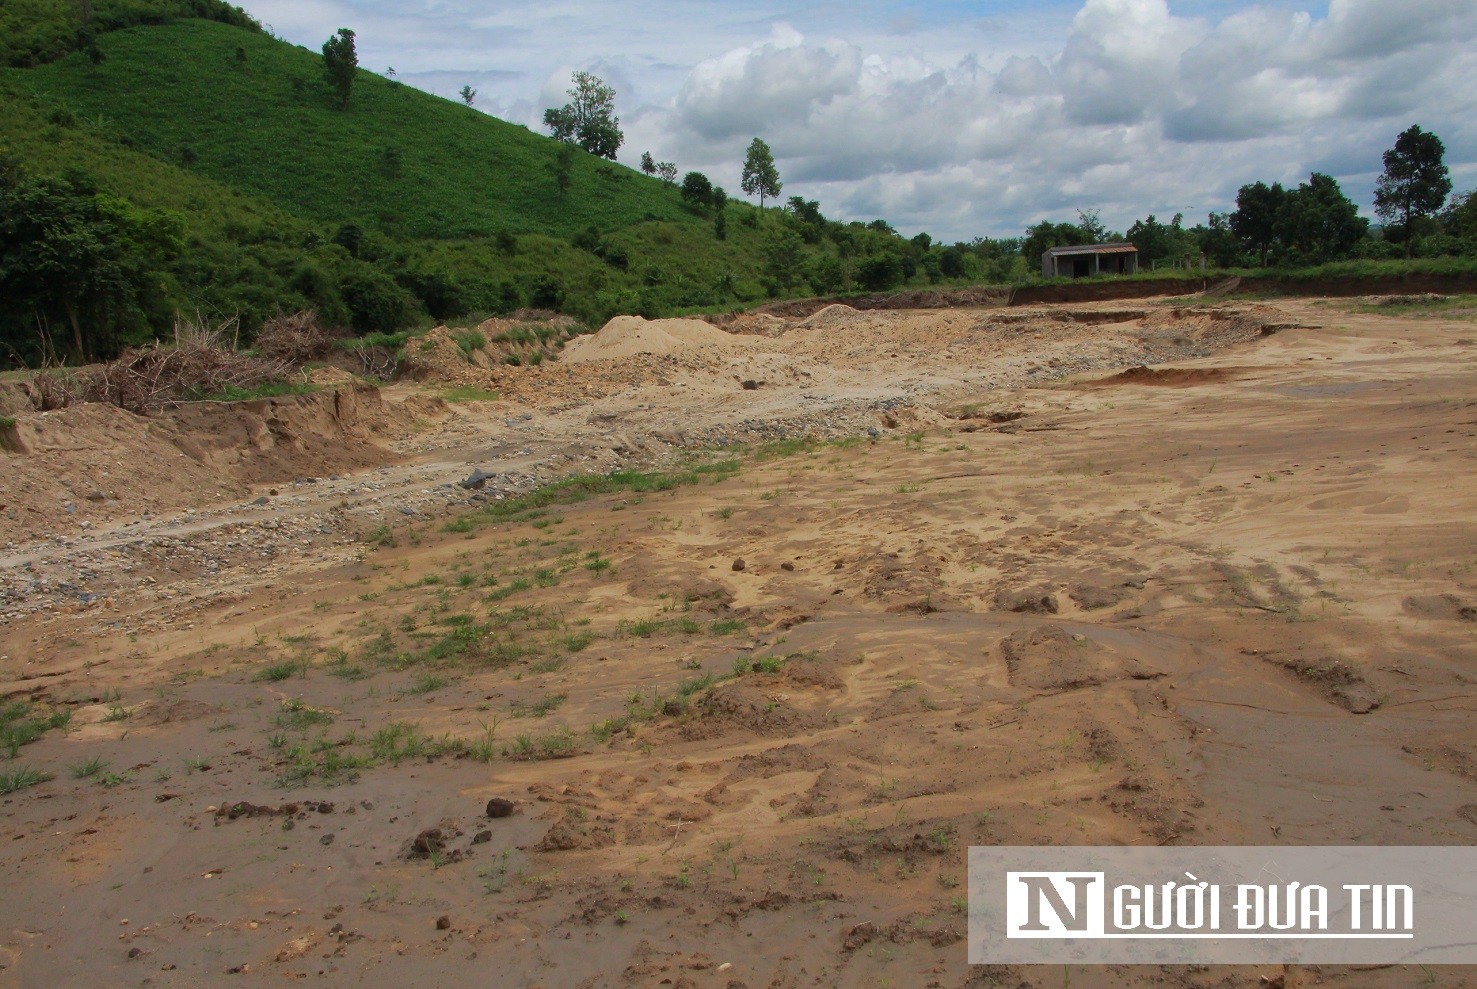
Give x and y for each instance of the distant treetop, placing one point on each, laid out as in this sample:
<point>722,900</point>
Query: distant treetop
<point>588,119</point>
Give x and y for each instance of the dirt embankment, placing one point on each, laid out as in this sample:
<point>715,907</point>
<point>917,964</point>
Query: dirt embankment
<point>1108,290</point>
<point>1411,283</point>
<point>119,465</point>
<point>1105,290</point>
<point>975,297</point>
<point>93,465</point>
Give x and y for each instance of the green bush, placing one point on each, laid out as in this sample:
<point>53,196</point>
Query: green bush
<point>880,272</point>
<point>375,302</point>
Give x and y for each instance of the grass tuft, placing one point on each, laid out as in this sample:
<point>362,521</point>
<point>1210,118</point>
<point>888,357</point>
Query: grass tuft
<point>12,780</point>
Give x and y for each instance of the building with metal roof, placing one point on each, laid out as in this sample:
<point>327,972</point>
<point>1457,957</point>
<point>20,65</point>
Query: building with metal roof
<point>1086,260</point>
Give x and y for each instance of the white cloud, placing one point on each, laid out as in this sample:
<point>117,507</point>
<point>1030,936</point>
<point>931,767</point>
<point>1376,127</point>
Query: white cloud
<point>1121,59</point>
<point>938,120</point>
<point>780,82</point>
<point>1139,111</point>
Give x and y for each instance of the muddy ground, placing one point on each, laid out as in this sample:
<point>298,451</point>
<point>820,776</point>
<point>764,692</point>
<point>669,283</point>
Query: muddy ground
<point>874,587</point>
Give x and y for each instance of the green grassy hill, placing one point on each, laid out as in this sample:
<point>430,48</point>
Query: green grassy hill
<point>399,160</point>
<point>33,32</point>
<point>200,163</point>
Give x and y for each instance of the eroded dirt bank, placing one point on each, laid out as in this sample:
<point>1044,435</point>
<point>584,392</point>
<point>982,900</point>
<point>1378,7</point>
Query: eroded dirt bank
<point>749,714</point>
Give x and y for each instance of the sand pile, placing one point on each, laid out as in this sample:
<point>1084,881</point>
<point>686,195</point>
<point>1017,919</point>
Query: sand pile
<point>833,315</point>
<point>630,336</point>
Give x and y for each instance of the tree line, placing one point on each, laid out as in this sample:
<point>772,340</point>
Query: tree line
<point>1311,223</point>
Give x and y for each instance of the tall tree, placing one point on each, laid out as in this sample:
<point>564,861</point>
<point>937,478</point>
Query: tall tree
<point>1255,220</point>
<point>1459,219</point>
<point>720,214</point>
<point>1415,181</point>
<point>783,257</point>
<point>74,257</point>
<point>1159,242</point>
<point>1089,222</point>
<point>1318,222</point>
<point>588,119</point>
<point>340,62</point>
<point>648,163</point>
<point>760,177</point>
<point>468,95</point>
<point>1217,242</point>
<point>1046,235</point>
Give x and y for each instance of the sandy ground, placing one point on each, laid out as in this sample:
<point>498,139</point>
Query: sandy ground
<point>748,722</point>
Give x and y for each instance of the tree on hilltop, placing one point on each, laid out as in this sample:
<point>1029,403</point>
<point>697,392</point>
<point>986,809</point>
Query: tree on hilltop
<point>1415,182</point>
<point>760,177</point>
<point>588,119</point>
<point>340,62</point>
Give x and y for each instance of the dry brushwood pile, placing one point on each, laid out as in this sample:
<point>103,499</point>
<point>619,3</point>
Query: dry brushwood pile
<point>201,362</point>
<point>160,376</point>
<point>296,338</point>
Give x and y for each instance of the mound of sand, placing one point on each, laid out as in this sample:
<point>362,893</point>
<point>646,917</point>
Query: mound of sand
<point>833,315</point>
<point>629,336</point>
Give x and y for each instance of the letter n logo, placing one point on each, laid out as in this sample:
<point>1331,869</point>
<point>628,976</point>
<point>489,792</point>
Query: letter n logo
<point>1054,904</point>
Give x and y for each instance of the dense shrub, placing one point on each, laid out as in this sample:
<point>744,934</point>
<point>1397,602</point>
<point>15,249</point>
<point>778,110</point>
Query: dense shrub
<point>880,272</point>
<point>375,302</point>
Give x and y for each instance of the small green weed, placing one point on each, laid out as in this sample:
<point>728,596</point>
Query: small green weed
<point>90,768</point>
<point>12,780</point>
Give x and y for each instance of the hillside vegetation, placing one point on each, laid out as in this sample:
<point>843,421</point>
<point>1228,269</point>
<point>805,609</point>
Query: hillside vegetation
<point>397,160</point>
<point>33,32</point>
<point>203,164</point>
<point>167,157</point>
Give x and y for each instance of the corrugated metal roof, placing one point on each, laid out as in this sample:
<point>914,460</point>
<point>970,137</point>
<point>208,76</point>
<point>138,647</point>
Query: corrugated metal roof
<point>1057,252</point>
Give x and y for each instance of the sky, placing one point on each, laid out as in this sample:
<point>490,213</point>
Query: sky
<point>961,119</point>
